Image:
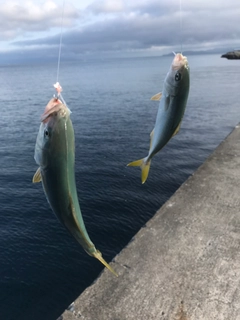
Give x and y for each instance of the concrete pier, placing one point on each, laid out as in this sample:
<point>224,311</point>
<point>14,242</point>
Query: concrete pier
<point>185,264</point>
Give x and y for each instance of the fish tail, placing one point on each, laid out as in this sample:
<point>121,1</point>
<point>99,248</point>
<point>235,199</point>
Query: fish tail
<point>144,164</point>
<point>97,254</point>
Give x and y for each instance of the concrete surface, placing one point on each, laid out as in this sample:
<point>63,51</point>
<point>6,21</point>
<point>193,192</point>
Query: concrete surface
<point>185,264</point>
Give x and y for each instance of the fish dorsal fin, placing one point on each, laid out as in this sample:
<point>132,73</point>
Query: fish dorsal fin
<point>177,129</point>
<point>37,176</point>
<point>157,96</point>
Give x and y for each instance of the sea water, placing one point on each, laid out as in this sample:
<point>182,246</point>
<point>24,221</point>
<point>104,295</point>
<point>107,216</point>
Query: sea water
<point>42,268</point>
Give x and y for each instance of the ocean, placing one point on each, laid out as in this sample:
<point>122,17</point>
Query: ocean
<point>42,268</point>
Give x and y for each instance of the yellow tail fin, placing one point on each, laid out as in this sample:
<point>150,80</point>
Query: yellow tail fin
<point>98,256</point>
<point>145,166</point>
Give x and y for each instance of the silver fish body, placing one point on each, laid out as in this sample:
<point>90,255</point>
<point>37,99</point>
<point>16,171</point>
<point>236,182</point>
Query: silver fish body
<point>170,112</point>
<point>55,154</point>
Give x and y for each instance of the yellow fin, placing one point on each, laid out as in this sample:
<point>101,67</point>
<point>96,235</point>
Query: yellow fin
<point>136,163</point>
<point>145,170</point>
<point>145,166</point>
<point>37,176</point>
<point>98,256</point>
<point>157,96</point>
<point>177,130</point>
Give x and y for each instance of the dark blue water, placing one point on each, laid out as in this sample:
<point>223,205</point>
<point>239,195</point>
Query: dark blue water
<point>42,268</point>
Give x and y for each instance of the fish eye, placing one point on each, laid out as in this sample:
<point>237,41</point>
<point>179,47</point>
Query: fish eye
<point>178,76</point>
<point>46,133</point>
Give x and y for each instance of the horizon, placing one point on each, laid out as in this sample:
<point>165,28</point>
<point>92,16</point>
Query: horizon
<point>34,60</point>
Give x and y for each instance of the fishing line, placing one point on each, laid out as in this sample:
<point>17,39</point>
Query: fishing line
<point>57,85</point>
<point>181,29</point>
<point>60,42</point>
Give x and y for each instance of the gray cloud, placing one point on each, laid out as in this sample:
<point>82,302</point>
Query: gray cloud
<point>148,25</point>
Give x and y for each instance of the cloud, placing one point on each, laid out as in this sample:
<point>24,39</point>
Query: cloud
<point>17,18</point>
<point>107,6</point>
<point>121,26</point>
<point>144,30</point>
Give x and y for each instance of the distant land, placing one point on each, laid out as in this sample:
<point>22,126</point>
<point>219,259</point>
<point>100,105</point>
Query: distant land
<point>232,55</point>
<point>202,52</point>
<point>43,55</point>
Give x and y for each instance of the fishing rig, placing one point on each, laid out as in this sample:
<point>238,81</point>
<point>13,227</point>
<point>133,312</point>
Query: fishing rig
<point>57,85</point>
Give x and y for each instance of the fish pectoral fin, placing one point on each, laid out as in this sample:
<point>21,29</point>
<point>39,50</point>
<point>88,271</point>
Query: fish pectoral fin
<point>157,96</point>
<point>37,176</point>
<point>177,129</point>
<point>167,102</point>
<point>97,254</point>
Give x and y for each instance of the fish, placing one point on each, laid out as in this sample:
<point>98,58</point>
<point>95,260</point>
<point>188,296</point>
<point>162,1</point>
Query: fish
<point>172,105</point>
<point>55,155</point>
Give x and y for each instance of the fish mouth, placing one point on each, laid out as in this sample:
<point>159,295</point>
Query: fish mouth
<point>54,105</point>
<point>179,61</point>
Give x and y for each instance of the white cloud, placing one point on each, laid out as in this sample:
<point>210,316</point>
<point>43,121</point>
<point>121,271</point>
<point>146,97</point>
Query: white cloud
<point>107,6</point>
<point>21,17</point>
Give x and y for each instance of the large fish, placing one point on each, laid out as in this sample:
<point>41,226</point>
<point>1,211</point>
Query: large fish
<point>173,100</point>
<point>55,154</point>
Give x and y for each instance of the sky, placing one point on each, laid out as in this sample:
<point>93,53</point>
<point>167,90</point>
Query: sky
<point>32,29</point>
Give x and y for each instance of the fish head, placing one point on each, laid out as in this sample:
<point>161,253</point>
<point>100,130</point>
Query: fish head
<point>178,75</point>
<point>51,132</point>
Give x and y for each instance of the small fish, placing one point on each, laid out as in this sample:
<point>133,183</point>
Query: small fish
<point>173,100</point>
<point>55,154</point>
